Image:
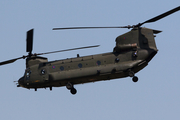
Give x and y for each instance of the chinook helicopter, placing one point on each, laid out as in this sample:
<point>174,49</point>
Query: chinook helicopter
<point>132,52</point>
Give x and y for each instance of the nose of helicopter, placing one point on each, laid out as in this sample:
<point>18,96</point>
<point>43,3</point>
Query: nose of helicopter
<point>20,81</point>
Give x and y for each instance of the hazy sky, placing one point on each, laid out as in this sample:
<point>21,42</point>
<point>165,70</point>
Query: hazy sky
<point>156,96</point>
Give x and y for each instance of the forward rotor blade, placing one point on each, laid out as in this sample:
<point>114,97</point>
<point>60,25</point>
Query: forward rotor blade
<point>68,50</point>
<point>11,61</point>
<point>89,27</point>
<point>29,41</point>
<point>160,16</point>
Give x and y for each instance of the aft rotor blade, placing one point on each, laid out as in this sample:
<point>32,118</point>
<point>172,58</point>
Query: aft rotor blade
<point>29,41</point>
<point>66,28</point>
<point>11,61</point>
<point>160,16</point>
<point>68,49</point>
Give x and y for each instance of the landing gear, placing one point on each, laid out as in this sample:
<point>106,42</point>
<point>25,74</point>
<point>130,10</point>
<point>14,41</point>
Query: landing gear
<point>73,91</point>
<point>50,88</point>
<point>70,87</point>
<point>134,78</point>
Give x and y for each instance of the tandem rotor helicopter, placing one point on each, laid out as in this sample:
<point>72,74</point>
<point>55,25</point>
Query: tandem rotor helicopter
<point>132,53</point>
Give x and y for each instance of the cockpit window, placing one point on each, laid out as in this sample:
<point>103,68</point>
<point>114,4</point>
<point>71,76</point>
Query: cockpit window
<point>28,74</point>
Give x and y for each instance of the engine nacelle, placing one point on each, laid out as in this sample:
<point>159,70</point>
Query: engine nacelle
<point>125,47</point>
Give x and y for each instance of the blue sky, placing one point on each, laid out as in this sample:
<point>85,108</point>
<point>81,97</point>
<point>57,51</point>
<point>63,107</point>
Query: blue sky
<point>156,94</point>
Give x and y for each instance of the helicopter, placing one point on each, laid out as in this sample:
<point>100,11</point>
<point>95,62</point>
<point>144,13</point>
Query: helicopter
<point>132,52</point>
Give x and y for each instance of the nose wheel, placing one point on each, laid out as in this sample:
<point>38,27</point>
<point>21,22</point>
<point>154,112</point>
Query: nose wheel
<point>134,78</point>
<point>70,87</point>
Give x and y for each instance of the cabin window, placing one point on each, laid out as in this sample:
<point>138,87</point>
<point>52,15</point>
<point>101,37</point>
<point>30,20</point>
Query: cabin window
<point>98,62</point>
<point>43,71</point>
<point>61,68</point>
<point>80,65</point>
<point>117,60</point>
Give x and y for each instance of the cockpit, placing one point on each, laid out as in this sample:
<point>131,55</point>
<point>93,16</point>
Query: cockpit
<point>22,81</point>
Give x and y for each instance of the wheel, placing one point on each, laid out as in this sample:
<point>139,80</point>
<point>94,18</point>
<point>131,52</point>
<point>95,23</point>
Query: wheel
<point>73,91</point>
<point>135,79</point>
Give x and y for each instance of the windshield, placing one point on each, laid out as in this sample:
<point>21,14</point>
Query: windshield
<point>27,73</point>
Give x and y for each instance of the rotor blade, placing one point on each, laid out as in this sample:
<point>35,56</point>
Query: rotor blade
<point>89,27</point>
<point>11,61</point>
<point>29,41</point>
<point>68,50</point>
<point>160,16</point>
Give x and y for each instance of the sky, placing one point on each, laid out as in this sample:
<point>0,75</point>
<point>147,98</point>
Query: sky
<point>155,96</point>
